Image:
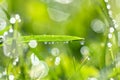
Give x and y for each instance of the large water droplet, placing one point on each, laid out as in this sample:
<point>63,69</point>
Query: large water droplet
<point>3,24</point>
<point>39,71</point>
<point>98,26</point>
<point>33,43</point>
<point>55,51</point>
<point>34,59</point>
<point>57,15</point>
<point>64,1</point>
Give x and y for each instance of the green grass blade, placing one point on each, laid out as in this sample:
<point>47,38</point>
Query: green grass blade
<point>50,38</point>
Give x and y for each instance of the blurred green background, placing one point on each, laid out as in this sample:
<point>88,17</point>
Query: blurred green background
<point>79,60</point>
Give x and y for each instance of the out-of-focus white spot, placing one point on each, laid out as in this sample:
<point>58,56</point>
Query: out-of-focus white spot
<point>4,73</point>
<point>110,13</point>
<point>5,33</point>
<point>33,43</point>
<point>111,29</point>
<point>84,51</point>
<point>55,51</point>
<point>57,15</point>
<point>109,35</point>
<point>12,20</point>
<point>39,71</point>
<point>15,61</point>
<point>108,6</point>
<point>92,78</point>
<point>0,75</point>
<point>109,44</point>
<point>98,26</point>
<point>111,79</point>
<point>17,16</point>
<point>11,77</point>
<point>34,59</point>
<point>82,42</point>
<point>2,24</point>
<point>106,1</point>
<point>64,1</point>
<point>11,30</point>
<point>57,60</point>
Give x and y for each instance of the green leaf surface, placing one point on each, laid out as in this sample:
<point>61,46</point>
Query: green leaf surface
<point>50,38</point>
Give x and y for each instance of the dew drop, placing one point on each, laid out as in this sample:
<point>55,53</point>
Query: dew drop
<point>45,42</point>
<point>55,51</point>
<point>33,43</point>
<point>98,26</point>
<point>108,6</point>
<point>64,1</point>
<point>11,77</point>
<point>12,20</point>
<point>109,35</point>
<point>106,1</point>
<point>92,78</point>
<point>111,79</point>
<point>11,30</point>
<point>34,59</point>
<point>84,51</point>
<point>17,16</point>
<point>82,42</point>
<point>57,15</point>
<point>39,71</point>
<point>2,24</point>
<point>57,60</point>
<point>109,44</point>
<point>111,29</point>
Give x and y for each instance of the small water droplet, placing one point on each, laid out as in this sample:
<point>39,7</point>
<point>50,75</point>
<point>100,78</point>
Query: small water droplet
<point>5,33</point>
<point>11,77</point>
<point>82,42</point>
<point>111,30</point>
<point>57,60</point>
<point>55,51</point>
<point>33,43</point>
<point>34,59</point>
<point>106,1</point>
<point>98,26</point>
<point>111,78</point>
<point>12,20</point>
<point>109,44</point>
<point>64,1</point>
<point>2,24</point>
<point>45,42</point>
<point>108,6</point>
<point>11,30</point>
<point>84,51</point>
<point>17,16</point>
<point>109,35</point>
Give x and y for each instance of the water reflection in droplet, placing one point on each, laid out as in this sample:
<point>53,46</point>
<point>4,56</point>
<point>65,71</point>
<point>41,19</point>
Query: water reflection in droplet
<point>3,24</point>
<point>57,15</point>
<point>98,26</point>
<point>55,51</point>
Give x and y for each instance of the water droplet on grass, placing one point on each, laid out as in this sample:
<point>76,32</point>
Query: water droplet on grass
<point>33,43</point>
<point>58,15</point>
<point>109,35</point>
<point>57,60</point>
<point>12,20</point>
<point>109,44</point>
<point>64,1</point>
<point>11,30</point>
<point>84,51</point>
<point>39,71</point>
<point>111,30</point>
<point>108,6</point>
<point>55,51</point>
<point>98,26</point>
<point>11,77</point>
<point>34,59</point>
